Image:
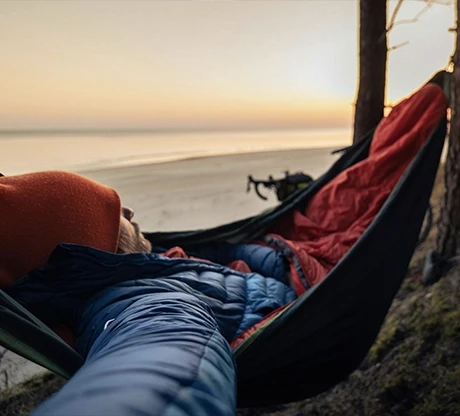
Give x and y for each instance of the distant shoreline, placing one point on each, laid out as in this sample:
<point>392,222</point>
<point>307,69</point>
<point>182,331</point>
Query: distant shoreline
<point>185,158</point>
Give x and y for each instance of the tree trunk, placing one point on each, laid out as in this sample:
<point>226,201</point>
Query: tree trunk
<point>448,242</point>
<point>372,66</point>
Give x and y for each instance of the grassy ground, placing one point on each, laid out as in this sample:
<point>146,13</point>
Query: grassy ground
<point>412,369</point>
<point>23,398</point>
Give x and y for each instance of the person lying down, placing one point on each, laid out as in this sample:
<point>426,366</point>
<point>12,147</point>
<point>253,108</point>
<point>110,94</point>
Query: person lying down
<point>156,327</point>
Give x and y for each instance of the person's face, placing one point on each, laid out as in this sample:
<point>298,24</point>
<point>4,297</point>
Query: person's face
<point>131,239</point>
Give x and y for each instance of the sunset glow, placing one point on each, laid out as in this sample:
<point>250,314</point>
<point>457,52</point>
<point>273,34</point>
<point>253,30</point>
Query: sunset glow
<point>197,65</point>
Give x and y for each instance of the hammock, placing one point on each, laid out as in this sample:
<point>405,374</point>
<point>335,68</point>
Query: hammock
<point>319,339</point>
<point>323,336</point>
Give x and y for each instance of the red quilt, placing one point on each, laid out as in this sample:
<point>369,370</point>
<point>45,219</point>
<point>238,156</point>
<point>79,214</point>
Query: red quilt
<point>339,213</point>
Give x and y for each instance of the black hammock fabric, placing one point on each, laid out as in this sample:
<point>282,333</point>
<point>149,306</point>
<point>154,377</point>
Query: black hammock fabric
<point>21,332</point>
<point>325,334</point>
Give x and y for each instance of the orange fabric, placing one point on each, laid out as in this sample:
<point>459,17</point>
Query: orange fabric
<point>40,210</point>
<point>246,334</point>
<point>178,252</point>
<point>240,266</point>
<point>340,212</point>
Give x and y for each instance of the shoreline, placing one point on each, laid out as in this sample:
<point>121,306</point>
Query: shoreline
<point>191,157</point>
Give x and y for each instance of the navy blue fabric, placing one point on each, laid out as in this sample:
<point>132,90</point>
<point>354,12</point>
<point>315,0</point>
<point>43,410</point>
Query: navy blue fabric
<point>260,259</point>
<point>74,274</point>
<point>154,330</point>
<point>162,355</point>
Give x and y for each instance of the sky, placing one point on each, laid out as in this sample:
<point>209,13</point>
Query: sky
<point>215,64</point>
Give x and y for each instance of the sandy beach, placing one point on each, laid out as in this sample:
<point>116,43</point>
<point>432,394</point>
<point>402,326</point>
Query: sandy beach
<point>204,192</point>
<point>191,194</point>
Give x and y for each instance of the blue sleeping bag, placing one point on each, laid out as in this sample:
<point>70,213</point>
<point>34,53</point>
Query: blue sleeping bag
<point>154,330</point>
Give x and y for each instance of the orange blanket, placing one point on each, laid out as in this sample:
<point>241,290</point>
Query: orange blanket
<point>340,212</point>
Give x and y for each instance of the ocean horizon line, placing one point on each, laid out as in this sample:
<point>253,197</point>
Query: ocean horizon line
<point>6,132</point>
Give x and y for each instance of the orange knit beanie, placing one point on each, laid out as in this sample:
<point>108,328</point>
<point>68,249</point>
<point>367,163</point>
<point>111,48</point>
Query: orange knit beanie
<point>40,210</point>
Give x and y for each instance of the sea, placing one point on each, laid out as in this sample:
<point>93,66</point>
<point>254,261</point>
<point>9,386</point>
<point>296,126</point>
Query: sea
<point>29,151</point>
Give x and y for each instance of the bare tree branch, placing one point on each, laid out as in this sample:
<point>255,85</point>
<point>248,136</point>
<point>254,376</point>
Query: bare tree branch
<point>440,2</point>
<point>393,22</point>
<point>394,15</point>
<point>399,45</point>
<point>416,17</point>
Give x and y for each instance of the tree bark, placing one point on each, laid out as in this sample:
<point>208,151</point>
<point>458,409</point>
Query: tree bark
<point>373,51</point>
<point>448,241</point>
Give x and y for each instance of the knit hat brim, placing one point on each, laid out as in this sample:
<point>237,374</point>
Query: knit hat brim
<point>40,210</point>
